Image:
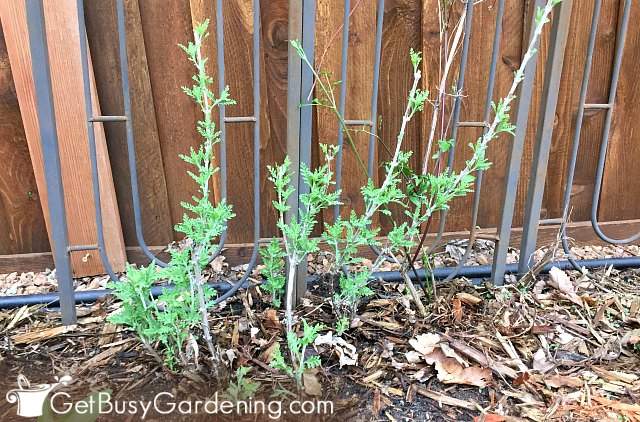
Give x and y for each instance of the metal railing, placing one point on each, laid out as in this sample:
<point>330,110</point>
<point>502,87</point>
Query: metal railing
<point>302,15</point>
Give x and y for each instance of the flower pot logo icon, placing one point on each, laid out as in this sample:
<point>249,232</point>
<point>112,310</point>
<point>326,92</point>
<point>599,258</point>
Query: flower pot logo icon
<point>30,398</point>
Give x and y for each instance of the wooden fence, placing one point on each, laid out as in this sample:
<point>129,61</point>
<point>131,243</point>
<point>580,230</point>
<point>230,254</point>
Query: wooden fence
<point>164,118</point>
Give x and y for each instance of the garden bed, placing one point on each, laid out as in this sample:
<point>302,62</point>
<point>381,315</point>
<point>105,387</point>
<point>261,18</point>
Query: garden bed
<point>558,346</point>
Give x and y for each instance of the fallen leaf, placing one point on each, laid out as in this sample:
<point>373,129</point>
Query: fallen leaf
<point>425,343</point>
<point>561,281</point>
<point>271,320</point>
<point>557,381</point>
<point>267,354</point>
<point>347,353</point>
<point>451,372</point>
<point>540,361</point>
<point>311,384</point>
<point>413,356</point>
<point>217,265</point>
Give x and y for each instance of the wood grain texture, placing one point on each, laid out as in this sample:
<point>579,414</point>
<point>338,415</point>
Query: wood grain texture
<point>401,32</point>
<point>102,34</point>
<point>358,80</point>
<point>275,44</point>
<point>21,217</point>
<point>238,32</point>
<point>165,24</point>
<point>64,55</point>
<point>593,122</point>
<point>619,191</point>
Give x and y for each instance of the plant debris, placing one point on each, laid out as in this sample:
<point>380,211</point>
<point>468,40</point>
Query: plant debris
<point>564,346</point>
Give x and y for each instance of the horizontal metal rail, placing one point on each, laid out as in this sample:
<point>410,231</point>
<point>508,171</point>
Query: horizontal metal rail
<point>300,85</point>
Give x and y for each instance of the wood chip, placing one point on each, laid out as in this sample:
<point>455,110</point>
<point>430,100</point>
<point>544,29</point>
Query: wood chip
<point>33,336</point>
<point>447,400</point>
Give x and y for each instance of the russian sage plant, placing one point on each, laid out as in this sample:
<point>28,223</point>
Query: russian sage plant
<point>172,318</point>
<point>273,260</point>
<point>296,233</point>
<point>424,195</point>
<point>427,194</point>
<point>297,348</point>
<point>346,235</point>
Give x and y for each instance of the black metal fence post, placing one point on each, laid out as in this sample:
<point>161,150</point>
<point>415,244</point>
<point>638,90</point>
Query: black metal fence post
<point>513,166</point>
<point>51,158</point>
<point>302,14</point>
<point>544,134</point>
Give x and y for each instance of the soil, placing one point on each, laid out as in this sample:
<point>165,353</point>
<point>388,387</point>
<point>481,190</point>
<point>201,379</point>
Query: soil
<point>564,346</point>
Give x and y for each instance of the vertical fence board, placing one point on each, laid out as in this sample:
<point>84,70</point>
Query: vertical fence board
<point>103,39</point>
<point>618,190</point>
<point>164,26</point>
<point>402,31</point>
<point>598,92</point>
<point>273,90</point>
<point>238,30</point>
<point>64,52</point>
<point>359,80</point>
<point>21,217</point>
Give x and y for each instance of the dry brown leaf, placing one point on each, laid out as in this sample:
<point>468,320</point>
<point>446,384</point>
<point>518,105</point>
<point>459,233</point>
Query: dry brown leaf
<point>561,281</point>
<point>346,352</point>
<point>267,354</point>
<point>451,372</point>
<point>540,361</point>
<point>311,383</point>
<point>217,265</point>
<point>557,381</point>
<point>271,320</point>
<point>425,343</point>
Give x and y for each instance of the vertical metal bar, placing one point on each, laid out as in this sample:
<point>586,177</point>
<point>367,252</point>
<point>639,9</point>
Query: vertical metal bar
<point>374,89</point>
<point>343,97</point>
<point>457,105</point>
<point>131,149</point>
<point>602,156</point>
<point>256,151</point>
<point>553,74</point>
<point>495,52</point>
<point>95,179</point>
<point>514,164</point>
<point>575,147</point>
<point>306,118</point>
<point>51,157</point>
<point>294,100</point>
<point>222,109</point>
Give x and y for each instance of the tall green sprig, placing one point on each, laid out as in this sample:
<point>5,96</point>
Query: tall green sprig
<point>203,222</point>
<point>345,236</point>
<point>296,233</point>
<point>430,193</point>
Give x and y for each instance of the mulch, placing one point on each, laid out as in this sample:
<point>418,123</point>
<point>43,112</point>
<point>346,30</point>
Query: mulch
<point>562,346</point>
